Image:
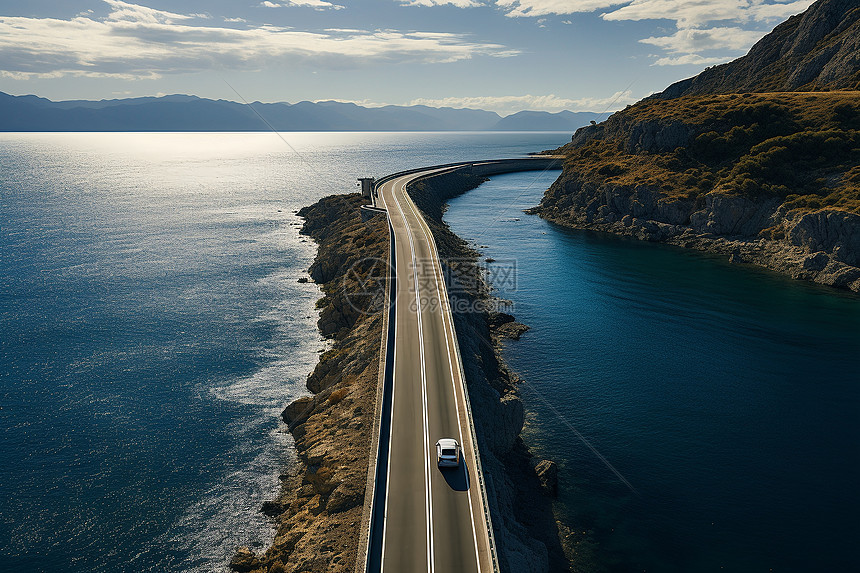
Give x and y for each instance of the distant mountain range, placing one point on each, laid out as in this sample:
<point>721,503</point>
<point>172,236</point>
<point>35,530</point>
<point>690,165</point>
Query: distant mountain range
<point>191,113</point>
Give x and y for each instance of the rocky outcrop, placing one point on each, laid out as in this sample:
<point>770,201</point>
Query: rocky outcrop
<point>734,216</point>
<point>819,49</point>
<point>656,136</point>
<point>821,246</point>
<point>298,411</point>
<point>835,233</point>
<point>245,561</point>
<point>505,325</point>
<point>648,136</point>
<point>547,473</point>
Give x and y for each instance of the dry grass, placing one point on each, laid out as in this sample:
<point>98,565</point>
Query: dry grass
<point>809,108</point>
<point>801,146</point>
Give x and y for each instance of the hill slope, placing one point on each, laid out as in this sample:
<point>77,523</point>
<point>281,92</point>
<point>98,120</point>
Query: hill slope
<point>816,50</point>
<point>770,178</point>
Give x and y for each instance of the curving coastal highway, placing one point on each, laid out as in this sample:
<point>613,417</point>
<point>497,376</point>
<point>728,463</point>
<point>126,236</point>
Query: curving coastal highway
<point>432,519</point>
<point>430,514</point>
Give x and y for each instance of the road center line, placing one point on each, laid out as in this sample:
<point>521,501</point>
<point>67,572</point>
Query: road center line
<point>428,494</point>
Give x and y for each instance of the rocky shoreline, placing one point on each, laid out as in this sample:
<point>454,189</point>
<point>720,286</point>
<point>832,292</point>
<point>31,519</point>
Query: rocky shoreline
<point>820,246</point>
<point>319,512</point>
<point>770,179</point>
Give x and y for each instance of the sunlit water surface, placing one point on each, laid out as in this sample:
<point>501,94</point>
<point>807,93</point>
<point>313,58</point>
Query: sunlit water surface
<point>153,328</point>
<point>727,396</point>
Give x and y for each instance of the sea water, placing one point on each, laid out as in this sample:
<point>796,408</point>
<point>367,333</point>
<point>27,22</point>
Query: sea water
<point>152,328</point>
<point>705,416</point>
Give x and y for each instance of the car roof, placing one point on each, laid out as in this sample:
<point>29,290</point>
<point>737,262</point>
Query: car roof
<point>447,443</point>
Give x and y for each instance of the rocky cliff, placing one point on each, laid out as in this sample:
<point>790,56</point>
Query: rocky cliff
<point>819,49</point>
<point>766,178</point>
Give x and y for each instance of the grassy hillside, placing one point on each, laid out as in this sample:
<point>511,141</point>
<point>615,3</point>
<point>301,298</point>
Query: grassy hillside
<point>803,147</point>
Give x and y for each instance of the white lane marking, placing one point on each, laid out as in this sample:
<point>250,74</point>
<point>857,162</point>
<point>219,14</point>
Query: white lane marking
<point>428,493</point>
<point>446,316</point>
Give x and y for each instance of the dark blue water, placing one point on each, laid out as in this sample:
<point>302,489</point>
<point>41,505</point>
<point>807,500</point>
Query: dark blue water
<point>727,396</point>
<point>152,328</point>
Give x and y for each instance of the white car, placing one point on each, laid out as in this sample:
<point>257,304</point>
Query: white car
<point>448,453</point>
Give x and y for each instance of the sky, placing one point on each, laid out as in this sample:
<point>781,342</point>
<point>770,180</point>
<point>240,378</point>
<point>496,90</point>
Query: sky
<point>499,55</point>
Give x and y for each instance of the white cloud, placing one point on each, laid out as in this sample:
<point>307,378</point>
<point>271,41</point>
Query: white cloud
<point>778,11</point>
<point>315,4</point>
<point>691,60</point>
<point>456,3</point>
<point>696,12</point>
<point>125,12</point>
<point>506,105</point>
<point>685,12</point>
<point>694,41</point>
<point>535,8</point>
<point>139,42</point>
<point>727,26</point>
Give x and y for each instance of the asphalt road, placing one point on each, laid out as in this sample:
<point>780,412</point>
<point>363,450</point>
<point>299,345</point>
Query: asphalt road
<point>434,518</point>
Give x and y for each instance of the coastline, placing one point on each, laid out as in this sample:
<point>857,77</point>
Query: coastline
<point>318,514</point>
<point>811,260</point>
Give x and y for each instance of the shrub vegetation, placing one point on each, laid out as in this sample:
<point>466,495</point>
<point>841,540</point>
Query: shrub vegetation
<point>803,147</point>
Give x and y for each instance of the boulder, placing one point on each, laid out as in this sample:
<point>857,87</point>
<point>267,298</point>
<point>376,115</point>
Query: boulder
<point>298,411</point>
<point>816,261</point>
<point>272,508</point>
<point>343,498</point>
<point>497,319</point>
<point>512,330</point>
<point>831,231</point>
<point>547,473</point>
<point>245,561</point>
